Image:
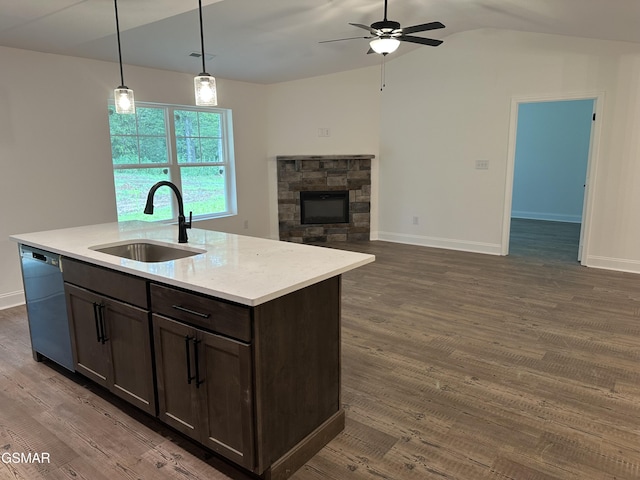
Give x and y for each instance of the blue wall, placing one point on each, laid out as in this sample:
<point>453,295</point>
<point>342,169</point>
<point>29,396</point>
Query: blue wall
<point>552,149</point>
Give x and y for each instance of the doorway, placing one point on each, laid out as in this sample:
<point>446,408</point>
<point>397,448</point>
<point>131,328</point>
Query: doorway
<point>552,154</point>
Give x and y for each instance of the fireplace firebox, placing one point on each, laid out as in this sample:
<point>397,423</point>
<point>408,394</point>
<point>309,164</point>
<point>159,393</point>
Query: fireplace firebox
<point>324,207</point>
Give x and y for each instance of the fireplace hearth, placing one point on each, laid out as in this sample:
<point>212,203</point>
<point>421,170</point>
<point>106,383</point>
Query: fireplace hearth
<point>324,198</point>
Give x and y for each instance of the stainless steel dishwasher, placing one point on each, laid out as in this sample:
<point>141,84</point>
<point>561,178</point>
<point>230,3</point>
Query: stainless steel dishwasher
<point>46,305</point>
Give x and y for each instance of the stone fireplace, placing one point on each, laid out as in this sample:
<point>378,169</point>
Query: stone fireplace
<point>335,192</point>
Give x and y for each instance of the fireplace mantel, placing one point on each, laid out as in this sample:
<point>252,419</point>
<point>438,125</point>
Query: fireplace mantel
<point>298,173</point>
<point>325,157</point>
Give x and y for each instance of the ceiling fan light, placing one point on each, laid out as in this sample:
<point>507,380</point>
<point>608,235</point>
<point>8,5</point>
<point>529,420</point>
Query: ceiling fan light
<point>205,89</point>
<point>123,98</point>
<point>384,46</point>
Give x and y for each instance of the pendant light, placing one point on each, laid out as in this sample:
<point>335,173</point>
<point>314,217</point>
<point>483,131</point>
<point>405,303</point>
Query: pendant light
<point>205,84</point>
<point>123,95</point>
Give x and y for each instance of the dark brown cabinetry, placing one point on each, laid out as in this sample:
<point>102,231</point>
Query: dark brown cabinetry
<point>204,388</point>
<point>259,385</point>
<point>271,393</point>
<point>204,378</point>
<point>111,339</point>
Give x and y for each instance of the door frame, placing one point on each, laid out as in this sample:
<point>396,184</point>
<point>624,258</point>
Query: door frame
<point>592,162</point>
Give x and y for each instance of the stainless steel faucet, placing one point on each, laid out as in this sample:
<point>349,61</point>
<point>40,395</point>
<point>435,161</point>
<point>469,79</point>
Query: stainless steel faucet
<point>182,223</point>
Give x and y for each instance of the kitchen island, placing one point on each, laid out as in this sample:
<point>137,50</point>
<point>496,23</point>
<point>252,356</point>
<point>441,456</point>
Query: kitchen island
<point>236,345</point>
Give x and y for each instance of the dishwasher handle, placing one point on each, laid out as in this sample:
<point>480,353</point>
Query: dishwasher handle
<point>49,258</point>
<point>39,256</point>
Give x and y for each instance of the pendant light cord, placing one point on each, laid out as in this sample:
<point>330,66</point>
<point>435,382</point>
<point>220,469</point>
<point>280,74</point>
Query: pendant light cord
<point>201,36</point>
<point>115,3</point>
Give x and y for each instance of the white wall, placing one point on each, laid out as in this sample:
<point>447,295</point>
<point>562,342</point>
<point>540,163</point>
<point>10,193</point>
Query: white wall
<point>55,152</point>
<point>346,103</point>
<point>446,107</point>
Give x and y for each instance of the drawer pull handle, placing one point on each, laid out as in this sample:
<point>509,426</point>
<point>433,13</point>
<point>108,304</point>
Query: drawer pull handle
<point>192,312</point>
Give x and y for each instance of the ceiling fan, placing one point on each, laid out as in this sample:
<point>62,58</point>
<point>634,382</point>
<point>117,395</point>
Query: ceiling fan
<point>387,34</point>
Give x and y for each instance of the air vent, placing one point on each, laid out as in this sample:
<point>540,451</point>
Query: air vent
<point>207,56</point>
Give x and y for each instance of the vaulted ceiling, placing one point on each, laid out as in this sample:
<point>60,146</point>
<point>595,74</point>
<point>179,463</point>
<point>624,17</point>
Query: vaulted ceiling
<point>267,41</point>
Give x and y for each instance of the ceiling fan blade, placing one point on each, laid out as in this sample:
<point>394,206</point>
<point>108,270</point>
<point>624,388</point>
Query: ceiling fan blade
<point>342,39</point>
<point>371,50</point>
<point>422,41</point>
<point>423,27</point>
<point>366,27</point>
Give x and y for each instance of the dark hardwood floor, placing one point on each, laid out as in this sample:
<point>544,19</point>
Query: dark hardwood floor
<point>542,239</point>
<point>455,366</point>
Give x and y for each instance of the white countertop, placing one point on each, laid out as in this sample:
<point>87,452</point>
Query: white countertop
<point>246,270</point>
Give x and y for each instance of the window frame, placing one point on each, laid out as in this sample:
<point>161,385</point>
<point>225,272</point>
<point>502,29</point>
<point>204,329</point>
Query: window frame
<point>174,167</point>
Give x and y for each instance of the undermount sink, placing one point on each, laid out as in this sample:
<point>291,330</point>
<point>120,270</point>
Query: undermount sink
<point>146,251</point>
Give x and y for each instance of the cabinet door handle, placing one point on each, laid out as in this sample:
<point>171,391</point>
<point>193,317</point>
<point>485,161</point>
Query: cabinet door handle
<point>187,338</point>
<point>195,354</point>
<point>192,312</point>
<point>97,320</point>
<point>103,334</point>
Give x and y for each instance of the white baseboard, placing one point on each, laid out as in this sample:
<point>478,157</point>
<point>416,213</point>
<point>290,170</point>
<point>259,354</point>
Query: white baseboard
<point>549,217</point>
<point>11,299</point>
<point>618,264</point>
<point>435,242</point>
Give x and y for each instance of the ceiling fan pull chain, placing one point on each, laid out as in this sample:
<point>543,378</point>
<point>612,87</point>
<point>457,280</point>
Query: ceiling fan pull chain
<point>384,71</point>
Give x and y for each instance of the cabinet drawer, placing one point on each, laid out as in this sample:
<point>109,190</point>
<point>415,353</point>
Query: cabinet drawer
<point>206,312</point>
<point>127,288</point>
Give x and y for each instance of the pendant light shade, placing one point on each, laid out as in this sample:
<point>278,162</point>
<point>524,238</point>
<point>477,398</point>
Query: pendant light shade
<point>204,84</point>
<point>123,95</point>
<point>384,45</point>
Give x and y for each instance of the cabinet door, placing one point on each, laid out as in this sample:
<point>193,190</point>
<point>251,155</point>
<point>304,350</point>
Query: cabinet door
<point>91,357</point>
<point>175,375</point>
<point>129,340</point>
<point>226,397</point>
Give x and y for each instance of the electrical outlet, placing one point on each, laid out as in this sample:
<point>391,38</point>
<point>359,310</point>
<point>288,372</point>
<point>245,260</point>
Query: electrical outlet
<point>323,132</point>
<point>246,224</point>
<point>482,164</point>
<point>415,220</point>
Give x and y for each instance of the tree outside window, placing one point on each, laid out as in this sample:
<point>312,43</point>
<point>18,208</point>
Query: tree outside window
<point>187,146</point>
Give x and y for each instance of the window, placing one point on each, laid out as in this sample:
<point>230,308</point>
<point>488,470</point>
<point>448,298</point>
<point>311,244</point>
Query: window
<point>191,147</point>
